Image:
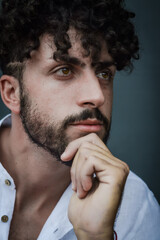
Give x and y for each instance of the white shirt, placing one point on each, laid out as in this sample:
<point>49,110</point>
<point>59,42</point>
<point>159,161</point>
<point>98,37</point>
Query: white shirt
<point>138,217</point>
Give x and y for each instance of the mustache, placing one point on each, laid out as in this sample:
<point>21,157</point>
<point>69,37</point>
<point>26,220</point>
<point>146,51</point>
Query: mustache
<point>87,113</point>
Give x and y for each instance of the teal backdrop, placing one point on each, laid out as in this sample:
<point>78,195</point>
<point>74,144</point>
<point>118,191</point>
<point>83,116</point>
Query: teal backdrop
<point>135,132</point>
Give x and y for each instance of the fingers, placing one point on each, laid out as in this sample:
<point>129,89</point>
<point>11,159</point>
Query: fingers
<point>92,159</point>
<point>92,156</point>
<point>81,175</point>
<point>73,146</point>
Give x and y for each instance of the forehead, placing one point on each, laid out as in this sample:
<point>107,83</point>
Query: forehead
<point>47,48</point>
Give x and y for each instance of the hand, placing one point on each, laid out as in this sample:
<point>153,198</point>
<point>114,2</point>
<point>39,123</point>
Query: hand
<point>93,206</point>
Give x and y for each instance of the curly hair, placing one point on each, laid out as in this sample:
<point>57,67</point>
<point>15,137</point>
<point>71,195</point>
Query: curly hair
<point>23,22</point>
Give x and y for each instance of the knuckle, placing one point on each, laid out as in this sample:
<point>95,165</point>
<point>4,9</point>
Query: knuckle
<point>126,168</point>
<point>84,145</point>
<point>94,136</point>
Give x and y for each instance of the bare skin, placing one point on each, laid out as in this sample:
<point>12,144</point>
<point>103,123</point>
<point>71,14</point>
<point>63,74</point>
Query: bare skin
<point>92,156</point>
<point>96,210</point>
<point>37,191</point>
<point>36,172</point>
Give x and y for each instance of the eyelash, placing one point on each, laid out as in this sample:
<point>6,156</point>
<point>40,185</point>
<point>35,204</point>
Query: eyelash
<point>72,71</point>
<point>61,76</point>
<point>108,73</point>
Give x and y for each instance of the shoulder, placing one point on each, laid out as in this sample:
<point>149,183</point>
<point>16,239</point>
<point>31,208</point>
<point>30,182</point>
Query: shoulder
<point>139,213</point>
<point>136,188</point>
<point>137,193</point>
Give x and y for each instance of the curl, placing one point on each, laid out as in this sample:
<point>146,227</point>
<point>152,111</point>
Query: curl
<point>23,22</point>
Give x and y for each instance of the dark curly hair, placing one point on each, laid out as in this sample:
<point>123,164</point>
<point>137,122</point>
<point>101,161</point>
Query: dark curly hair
<point>23,22</point>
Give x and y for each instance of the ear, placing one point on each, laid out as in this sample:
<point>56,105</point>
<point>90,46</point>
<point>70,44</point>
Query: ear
<point>9,87</point>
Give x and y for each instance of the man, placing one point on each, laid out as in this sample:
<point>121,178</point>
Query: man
<point>58,60</point>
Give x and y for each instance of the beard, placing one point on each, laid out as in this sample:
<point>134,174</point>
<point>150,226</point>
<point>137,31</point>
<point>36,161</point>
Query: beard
<point>51,135</point>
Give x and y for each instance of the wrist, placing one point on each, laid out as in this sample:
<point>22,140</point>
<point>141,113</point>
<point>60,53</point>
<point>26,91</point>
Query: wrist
<point>115,235</point>
<point>81,235</point>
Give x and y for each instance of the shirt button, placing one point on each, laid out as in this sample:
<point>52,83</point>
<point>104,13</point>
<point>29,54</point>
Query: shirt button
<point>4,218</point>
<point>8,182</point>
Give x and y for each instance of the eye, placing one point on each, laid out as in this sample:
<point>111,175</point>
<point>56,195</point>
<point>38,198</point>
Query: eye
<point>65,71</point>
<point>106,75</point>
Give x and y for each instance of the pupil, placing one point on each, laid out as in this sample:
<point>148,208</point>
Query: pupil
<point>65,70</point>
<point>105,75</point>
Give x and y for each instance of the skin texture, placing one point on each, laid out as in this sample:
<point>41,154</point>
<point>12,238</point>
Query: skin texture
<point>98,211</point>
<point>55,92</point>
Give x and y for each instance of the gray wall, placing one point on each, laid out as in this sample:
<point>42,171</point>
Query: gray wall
<point>136,110</point>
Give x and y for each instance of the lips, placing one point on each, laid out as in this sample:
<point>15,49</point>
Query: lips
<point>89,125</point>
<point>88,122</point>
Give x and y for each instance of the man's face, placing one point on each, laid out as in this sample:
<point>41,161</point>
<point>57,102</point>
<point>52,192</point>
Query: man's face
<point>62,101</point>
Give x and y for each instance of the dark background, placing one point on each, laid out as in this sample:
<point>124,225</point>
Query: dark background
<point>136,109</point>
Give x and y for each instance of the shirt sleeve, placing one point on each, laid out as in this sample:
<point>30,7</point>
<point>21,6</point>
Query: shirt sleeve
<point>138,217</point>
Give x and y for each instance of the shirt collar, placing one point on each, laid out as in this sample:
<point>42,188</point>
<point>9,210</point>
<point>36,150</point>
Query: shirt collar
<point>6,121</point>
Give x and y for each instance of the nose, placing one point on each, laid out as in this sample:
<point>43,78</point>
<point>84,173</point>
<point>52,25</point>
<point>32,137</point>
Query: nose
<point>90,92</point>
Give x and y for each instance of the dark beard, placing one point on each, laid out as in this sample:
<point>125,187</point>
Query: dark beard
<point>52,136</point>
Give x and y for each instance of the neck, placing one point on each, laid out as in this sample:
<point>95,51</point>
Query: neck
<point>33,169</point>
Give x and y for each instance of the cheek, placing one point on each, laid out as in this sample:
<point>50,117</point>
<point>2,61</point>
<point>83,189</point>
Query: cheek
<point>55,102</point>
<point>107,107</point>
<point>52,98</point>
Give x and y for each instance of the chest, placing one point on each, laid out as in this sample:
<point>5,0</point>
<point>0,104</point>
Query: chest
<point>25,226</point>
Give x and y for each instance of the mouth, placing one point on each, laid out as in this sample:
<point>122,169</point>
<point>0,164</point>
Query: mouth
<point>89,125</point>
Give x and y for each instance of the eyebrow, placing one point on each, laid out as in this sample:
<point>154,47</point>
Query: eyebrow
<point>77,62</point>
<point>71,60</point>
<point>103,65</point>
